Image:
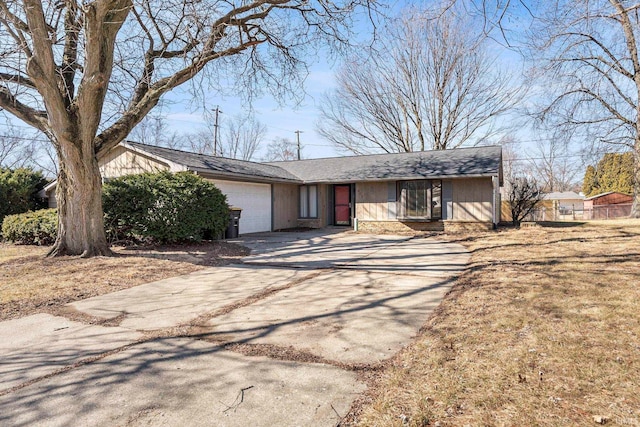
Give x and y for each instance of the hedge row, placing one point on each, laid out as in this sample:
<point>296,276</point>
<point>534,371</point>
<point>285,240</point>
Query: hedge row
<point>164,207</point>
<point>19,191</point>
<point>31,228</point>
<point>157,207</point>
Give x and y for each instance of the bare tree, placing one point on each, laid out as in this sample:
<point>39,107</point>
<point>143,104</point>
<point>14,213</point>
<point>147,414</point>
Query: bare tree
<point>46,159</point>
<point>200,141</point>
<point>26,148</point>
<point>86,73</point>
<point>585,54</point>
<point>523,196</point>
<point>21,147</point>
<point>241,137</point>
<point>154,130</point>
<point>430,83</point>
<point>511,158</point>
<point>281,149</point>
<point>555,166</point>
<point>17,147</point>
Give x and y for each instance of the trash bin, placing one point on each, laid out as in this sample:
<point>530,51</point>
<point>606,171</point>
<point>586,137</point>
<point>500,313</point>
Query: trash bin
<point>233,230</point>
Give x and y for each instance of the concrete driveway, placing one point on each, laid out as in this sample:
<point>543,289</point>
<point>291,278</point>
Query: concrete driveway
<point>276,340</point>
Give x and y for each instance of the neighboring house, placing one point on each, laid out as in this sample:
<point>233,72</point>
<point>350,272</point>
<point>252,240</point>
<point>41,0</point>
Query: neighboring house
<point>610,198</point>
<point>608,205</point>
<point>429,190</point>
<point>565,202</point>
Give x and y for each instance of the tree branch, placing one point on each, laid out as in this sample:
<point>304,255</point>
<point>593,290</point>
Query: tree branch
<point>41,66</point>
<point>17,79</point>
<point>72,27</point>
<point>37,119</point>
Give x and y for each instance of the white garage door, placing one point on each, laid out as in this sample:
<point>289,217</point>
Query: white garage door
<point>253,199</point>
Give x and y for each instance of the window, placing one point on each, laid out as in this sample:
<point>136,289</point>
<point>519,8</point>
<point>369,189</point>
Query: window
<point>308,201</point>
<point>421,199</point>
<point>417,199</point>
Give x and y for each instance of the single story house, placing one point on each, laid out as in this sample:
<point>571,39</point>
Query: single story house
<point>565,201</point>
<point>429,190</point>
<point>609,198</point>
<point>608,205</point>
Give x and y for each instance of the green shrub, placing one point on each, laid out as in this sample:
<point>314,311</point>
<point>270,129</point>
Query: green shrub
<point>19,191</point>
<point>163,207</point>
<point>31,228</point>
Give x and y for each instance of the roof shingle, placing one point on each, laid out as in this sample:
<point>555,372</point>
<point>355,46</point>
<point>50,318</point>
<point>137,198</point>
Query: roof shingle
<point>218,165</point>
<point>461,162</point>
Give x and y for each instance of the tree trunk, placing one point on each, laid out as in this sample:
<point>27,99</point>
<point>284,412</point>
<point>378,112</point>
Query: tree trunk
<point>79,196</point>
<point>635,207</point>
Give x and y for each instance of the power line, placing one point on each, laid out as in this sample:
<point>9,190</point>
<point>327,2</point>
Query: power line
<point>24,138</point>
<point>281,129</point>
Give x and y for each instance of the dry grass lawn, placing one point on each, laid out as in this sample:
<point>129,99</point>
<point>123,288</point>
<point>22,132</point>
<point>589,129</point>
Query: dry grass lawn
<point>542,329</point>
<point>31,283</point>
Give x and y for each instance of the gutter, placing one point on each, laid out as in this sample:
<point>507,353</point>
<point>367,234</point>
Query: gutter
<point>240,177</point>
<point>398,178</point>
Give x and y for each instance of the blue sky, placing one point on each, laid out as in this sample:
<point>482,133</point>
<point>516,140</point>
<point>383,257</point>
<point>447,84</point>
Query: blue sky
<point>281,120</point>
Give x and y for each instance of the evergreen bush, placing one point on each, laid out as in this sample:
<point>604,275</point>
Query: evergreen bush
<point>163,207</point>
<point>19,191</point>
<point>31,228</point>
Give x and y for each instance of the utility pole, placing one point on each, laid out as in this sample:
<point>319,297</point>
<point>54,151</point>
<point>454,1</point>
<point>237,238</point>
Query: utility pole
<point>298,132</point>
<point>215,131</point>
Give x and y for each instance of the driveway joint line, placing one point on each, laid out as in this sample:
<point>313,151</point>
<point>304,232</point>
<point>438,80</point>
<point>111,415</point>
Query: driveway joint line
<point>252,299</point>
<point>164,333</point>
<point>80,363</point>
<point>345,267</point>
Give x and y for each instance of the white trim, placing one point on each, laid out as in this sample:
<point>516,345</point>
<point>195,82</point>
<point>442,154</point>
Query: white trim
<point>173,166</point>
<point>50,185</point>
<point>495,200</point>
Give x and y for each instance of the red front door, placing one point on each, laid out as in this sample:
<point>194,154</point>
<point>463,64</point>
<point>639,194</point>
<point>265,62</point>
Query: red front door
<point>342,203</point>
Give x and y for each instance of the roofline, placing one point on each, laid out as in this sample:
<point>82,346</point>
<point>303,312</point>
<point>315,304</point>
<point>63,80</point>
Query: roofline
<point>192,153</point>
<point>186,167</point>
<point>607,193</point>
<point>173,166</point>
<point>400,178</point>
<point>50,185</point>
<point>574,196</point>
<point>253,178</point>
<point>384,154</point>
<point>182,151</point>
<point>241,177</point>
